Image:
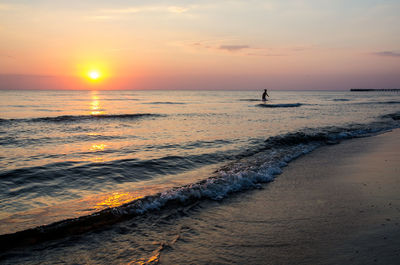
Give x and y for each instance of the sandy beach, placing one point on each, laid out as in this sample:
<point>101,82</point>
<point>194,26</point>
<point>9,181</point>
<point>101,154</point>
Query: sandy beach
<point>338,205</point>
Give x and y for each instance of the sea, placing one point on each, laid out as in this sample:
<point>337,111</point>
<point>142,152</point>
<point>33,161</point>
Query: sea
<point>86,173</point>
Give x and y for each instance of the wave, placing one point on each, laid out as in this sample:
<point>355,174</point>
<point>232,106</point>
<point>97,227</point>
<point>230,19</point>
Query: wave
<point>393,116</point>
<point>48,110</point>
<point>14,140</point>
<point>120,99</point>
<point>120,170</point>
<point>390,102</point>
<point>248,171</point>
<point>287,105</point>
<point>23,106</point>
<point>341,99</point>
<point>249,99</point>
<point>75,118</point>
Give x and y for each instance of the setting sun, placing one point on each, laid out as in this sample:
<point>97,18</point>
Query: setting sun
<point>94,75</point>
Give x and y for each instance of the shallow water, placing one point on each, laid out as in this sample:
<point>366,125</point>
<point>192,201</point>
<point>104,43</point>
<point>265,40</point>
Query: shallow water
<point>65,154</point>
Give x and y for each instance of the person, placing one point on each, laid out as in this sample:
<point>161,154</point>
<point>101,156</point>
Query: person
<point>264,95</point>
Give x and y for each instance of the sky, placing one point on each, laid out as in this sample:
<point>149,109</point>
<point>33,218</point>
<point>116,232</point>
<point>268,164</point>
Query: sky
<point>155,44</point>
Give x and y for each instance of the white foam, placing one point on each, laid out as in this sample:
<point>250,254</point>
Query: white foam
<point>239,177</point>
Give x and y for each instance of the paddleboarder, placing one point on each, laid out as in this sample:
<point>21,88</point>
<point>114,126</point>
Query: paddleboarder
<point>264,95</point>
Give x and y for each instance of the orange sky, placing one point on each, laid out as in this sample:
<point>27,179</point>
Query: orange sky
<point>313,44</point>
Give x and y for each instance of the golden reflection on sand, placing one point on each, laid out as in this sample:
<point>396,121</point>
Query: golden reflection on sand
<point>155,259</point>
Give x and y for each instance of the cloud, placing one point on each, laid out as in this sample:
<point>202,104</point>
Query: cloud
<point>223,46</point>
<point>388,53</point>
<point>267,54</point>
<point>99,17</point>
<point>127,10</point>
<point>177,9</point>
<point>233,48</point>
<point>217,46</point>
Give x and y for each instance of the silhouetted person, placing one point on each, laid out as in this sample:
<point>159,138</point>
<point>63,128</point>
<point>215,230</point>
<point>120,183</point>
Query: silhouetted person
<point>264,95</point>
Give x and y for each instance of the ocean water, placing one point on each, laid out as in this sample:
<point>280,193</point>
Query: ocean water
<point>74,162</point>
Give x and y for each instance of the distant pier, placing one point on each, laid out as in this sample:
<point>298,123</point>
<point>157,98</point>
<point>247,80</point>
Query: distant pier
<point>374,89</point>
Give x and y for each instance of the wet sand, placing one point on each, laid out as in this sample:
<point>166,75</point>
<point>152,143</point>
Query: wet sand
<point>338,205</point>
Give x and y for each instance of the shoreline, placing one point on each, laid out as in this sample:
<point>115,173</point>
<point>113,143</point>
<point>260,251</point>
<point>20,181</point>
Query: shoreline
<point>337,205</point>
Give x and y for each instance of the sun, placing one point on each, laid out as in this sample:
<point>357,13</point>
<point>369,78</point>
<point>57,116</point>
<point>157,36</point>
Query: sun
<point>94,74</point>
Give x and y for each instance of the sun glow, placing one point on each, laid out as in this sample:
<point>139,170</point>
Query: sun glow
<point>94,75</point>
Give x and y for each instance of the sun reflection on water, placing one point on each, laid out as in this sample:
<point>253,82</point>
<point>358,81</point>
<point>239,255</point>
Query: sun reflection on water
<point>98,147</point>
<point>116,199</point>
<point>95,107</point>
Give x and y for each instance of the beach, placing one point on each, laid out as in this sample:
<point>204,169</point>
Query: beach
<point>338,205</point>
